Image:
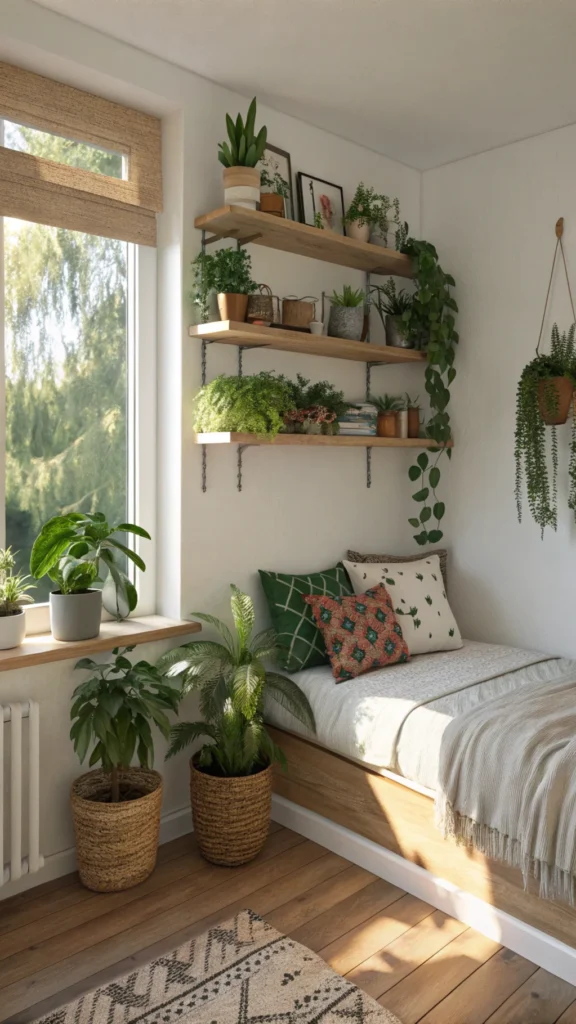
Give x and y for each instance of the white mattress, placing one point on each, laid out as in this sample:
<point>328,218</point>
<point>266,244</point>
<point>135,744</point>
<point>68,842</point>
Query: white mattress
<point>394,718</point>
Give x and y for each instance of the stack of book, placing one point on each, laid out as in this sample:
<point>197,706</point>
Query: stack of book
<point>359,420</point>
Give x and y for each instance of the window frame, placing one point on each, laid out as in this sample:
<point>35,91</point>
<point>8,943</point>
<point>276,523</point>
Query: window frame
<point>141,412</point>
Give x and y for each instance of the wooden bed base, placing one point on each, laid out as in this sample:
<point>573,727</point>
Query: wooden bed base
<point>402,820</point>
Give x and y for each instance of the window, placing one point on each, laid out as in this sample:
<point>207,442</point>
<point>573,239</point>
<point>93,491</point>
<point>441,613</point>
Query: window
<point>78,329</point>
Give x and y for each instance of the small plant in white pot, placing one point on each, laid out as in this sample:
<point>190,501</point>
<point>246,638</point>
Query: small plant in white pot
<point>367,213</point>
<point>14,589</point>
<point>73,550</point>
<point>239,156</point>
<point>116,808</point>
<point>231,775</point>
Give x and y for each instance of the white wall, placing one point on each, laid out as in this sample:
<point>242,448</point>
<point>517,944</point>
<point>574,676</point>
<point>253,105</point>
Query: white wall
<point>492,217</point>
<point>299,510</point>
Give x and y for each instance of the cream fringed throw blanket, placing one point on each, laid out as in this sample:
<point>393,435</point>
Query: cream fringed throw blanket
<point>507,783</point>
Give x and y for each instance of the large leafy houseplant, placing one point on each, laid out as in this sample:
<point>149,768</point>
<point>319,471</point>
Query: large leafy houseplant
<point>253,404</point>
<point>116,808</point>
<point>537,404</point>
<point>430,323</point>
<point>227,272</point>
<point>76,548</point>
<point>232,678</point>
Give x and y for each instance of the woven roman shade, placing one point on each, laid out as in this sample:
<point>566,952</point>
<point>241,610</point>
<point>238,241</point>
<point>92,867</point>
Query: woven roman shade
<point>36,189</point>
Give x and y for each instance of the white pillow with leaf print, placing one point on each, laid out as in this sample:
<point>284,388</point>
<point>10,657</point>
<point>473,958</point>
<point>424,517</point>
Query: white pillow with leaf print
<point>419,600</point>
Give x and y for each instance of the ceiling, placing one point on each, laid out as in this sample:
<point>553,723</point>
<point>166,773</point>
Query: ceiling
<point>422,81</point>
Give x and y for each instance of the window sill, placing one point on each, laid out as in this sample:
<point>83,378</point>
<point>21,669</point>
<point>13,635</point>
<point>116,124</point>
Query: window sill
<point>42,648</point>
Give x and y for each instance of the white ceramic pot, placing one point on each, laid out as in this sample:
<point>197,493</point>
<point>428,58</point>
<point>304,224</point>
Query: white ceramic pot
<point>316,327</point>
<point>242,187</point>
<point>12,630</point>
<point>361,232</point>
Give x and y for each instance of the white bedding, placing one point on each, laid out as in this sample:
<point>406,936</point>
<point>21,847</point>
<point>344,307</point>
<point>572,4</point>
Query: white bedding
<point>394,718</point>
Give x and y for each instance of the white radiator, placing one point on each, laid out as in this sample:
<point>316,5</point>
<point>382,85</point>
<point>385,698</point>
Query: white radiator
<point>12,791</point>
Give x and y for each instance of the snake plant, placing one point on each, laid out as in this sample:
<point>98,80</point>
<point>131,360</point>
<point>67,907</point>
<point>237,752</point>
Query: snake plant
<point>243,148</point>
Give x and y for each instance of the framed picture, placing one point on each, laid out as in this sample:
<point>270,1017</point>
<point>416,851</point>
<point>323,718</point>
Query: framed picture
<point>323,198</point>
<point>277,162</point>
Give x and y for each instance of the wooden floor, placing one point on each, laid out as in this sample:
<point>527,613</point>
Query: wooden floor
<point>59,939</point>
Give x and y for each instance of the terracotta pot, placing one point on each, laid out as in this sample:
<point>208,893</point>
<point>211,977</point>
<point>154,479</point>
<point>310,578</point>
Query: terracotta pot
<point>242,186</point>
<point>414,422</point>
<point>564,390</point>
<point>386,424</point>
<point>271,202</point>
<point>232,306</point>
<point>361,232</point>
<point>231,815</point>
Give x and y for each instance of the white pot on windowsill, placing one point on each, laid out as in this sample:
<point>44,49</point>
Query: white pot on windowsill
<point>12,629</point>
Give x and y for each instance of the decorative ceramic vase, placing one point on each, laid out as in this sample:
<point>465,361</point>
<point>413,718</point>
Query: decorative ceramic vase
<point>413,421</point>
<point>232,306</point>
<point>346,322</point>
<point>402,423</point>
<point>242,186</point>
<point>360,232</point>
<point>564,390</point>
<point>75,616</point>
<point>271,202</point>
<point>116,843</point>
<point>394,334</point>
<point>231,815</point>
<point>12,630</point>
<point>386,424</point>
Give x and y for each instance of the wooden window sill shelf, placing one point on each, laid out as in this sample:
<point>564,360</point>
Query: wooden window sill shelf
<point>41,648</point>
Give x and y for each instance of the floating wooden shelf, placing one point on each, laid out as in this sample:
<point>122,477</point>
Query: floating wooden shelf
<point>229,332</point>
<point>319,440</point>
<point>303,240</point>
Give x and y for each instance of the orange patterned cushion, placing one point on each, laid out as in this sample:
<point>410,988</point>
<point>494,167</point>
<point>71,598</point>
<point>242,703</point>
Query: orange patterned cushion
<point>361,632</point>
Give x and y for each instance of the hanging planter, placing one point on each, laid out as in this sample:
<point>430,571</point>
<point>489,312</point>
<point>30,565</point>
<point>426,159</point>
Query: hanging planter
<point>554,399</point>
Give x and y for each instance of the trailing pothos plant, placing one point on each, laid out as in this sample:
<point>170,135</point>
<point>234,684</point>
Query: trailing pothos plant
<point>429,321</point>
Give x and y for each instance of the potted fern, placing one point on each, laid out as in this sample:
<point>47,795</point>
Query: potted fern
<point>239,156</point>
<point>231,774</point>
<point>14,589</point>
<point>116,807</point>
<point>347,314</point>
<point>543,398</point>
<point>254,404</point>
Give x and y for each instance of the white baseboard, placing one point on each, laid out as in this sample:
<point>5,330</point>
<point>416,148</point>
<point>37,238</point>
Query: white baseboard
<point>542,949</point>
<point>174,824</point>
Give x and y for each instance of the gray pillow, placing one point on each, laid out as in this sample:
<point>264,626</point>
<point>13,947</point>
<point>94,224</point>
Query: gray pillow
<point>355,556</point>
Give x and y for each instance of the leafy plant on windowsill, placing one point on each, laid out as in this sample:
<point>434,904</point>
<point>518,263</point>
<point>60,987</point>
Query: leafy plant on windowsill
<point>13,586</point>
<point>232,680</point>
<point>253,404</point>
<point>536,394</point>
<point>224,271</point>
<point>349,297</point>
<point>70,549</point>
<point>112,712</point>
<point>243,148</point>
<point>430,322</point>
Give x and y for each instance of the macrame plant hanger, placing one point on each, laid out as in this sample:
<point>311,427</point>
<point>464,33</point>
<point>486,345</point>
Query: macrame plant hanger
<point>559,245</point>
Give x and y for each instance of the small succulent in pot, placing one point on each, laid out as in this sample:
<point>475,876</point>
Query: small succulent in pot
<point>228,272</point>
<point>388,407</point>
<point>14,594</point>
<point>73,549</point>
<point>347,314</point>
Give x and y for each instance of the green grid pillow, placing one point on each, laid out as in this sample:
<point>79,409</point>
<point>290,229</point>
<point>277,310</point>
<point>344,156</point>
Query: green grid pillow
<point>292,618</point>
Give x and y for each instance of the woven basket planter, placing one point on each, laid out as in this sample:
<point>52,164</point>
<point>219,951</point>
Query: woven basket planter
<point>116,844</point>
<point>231,816</point>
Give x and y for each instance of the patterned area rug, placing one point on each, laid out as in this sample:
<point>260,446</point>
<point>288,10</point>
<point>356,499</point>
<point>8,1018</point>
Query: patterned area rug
<point>240,972</point>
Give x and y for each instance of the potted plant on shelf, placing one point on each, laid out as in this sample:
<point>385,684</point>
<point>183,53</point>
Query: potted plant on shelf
<point>413,407</point>
<point>347,314</point>
<point>367,212</point>
<point>274,191</point>
<point>388,407</point>
<point>228,272</point>
<point>116,808</point>
<point>253,404</point>
<point>393,307</point>
<point>14,589</point>
<point>239,156</point>
<point>544,395</point>
<point>231,775</point>
<point>71,549</point>
<point>315,408</point>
